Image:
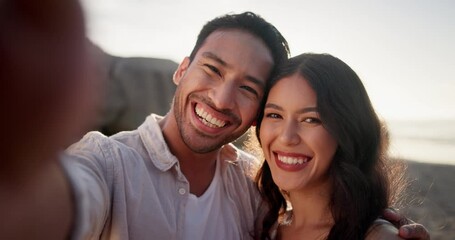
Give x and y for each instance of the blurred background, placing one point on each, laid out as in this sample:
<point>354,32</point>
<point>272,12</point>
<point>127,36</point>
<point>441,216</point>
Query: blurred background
<point>402,50</point>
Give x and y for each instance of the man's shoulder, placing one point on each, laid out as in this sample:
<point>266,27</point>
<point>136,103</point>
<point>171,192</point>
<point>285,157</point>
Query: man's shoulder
<point>238,159</point>
<point>102,154</point>
<point>235,154</point>
<point>91,138</point>
<point>97,141</point>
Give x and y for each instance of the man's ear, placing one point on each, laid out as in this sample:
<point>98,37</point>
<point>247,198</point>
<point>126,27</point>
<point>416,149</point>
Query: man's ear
<point>180,72</point>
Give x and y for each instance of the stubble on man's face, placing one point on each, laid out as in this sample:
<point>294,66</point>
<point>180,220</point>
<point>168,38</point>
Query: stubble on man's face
<point>206,143</point>
<point>238,57</point>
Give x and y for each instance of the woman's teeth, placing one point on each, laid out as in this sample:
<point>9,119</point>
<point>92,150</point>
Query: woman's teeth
<point>293,160</point>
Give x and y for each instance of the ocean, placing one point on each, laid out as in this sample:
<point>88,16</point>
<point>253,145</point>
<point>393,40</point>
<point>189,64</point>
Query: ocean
<point>424,141</point>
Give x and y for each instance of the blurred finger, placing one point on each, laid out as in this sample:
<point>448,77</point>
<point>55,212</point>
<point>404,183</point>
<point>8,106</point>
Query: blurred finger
<point>414,231</point>
<point>405,221</point>
<point>396,218</point>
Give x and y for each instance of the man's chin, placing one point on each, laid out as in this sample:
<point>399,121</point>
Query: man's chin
<point>200,142</point>
<point>202,147</point>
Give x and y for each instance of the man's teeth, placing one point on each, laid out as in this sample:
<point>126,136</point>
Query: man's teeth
<point>292,160</point>
<point>208,120</point>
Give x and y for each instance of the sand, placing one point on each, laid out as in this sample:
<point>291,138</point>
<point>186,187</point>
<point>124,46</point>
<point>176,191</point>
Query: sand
<point>431,198</point>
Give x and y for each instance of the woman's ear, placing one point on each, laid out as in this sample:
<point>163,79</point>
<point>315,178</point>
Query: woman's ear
<point>180,72</point>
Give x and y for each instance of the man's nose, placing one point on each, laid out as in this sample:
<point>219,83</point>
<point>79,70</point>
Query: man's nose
<point>223,95</point>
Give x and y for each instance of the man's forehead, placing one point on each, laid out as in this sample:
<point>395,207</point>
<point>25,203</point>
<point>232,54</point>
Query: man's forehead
<point>235,36</point>
<point>230,44</point>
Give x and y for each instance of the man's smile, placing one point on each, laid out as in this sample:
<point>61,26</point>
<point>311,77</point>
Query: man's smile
<point>208,119</point>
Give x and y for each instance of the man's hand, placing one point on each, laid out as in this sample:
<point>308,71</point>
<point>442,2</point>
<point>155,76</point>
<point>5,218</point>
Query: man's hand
<point>408,229</point>
<point>47,92</point>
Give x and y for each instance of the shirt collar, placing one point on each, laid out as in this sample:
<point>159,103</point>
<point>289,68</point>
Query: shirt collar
<point>159,153</point>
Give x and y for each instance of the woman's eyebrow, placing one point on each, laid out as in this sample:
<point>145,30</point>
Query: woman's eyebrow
<point>303,110</point>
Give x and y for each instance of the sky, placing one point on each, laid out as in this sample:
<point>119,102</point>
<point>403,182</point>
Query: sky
<point>403,50</point>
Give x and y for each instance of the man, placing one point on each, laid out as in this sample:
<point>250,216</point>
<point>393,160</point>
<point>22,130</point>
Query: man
<point>175,177</point>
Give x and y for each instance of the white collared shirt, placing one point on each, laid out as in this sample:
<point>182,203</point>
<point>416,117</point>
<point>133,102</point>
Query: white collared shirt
<point>129,186</point>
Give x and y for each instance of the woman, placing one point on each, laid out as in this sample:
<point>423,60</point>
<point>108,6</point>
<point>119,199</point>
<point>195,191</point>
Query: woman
<point>325,155</point>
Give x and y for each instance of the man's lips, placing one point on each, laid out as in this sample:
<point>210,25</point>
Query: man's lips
<point>208,119</point>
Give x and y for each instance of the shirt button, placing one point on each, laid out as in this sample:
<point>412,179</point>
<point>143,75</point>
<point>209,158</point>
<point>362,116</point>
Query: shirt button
<point>182,191</point>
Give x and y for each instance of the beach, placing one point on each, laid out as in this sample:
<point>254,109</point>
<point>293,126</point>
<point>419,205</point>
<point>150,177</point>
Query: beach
<point>430,198</point>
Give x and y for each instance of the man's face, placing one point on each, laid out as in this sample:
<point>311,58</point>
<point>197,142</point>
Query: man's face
<point>219,92</point>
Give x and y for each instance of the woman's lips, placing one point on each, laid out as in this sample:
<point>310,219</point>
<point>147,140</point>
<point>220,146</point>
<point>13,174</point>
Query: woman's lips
<point>291,162</point>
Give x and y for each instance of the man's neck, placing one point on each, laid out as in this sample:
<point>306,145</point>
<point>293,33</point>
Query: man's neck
<point>198,168</point>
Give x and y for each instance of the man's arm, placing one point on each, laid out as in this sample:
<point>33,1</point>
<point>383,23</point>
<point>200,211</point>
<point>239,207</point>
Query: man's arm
<point>47,102</point>
<point>38,206</point>
<point>407,228</point>
<point>382,229</point>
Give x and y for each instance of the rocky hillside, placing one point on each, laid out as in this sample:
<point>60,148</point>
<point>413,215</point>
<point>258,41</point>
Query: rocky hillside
<point>135,87</point>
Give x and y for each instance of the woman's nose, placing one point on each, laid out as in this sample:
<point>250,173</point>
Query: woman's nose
<point>289,133</point>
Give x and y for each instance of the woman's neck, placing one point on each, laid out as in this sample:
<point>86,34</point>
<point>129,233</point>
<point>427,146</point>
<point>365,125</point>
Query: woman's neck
<point>311,215</point>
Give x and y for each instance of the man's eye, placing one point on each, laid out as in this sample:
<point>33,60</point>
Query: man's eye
<point>251,90</point>
<point>213,69</point>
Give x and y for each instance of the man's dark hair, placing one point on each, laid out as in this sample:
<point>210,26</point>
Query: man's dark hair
<point>251,23</point>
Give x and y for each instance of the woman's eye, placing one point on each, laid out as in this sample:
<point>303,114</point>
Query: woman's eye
<point>272,115</point>
<point>312,120</point>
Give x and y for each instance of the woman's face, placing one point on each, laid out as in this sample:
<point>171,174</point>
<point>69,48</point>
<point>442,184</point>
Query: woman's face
<point>298,149</point>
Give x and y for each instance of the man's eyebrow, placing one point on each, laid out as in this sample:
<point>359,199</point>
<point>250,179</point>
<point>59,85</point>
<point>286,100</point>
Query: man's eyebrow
<point>303,110</point>
<point>256,81</point>
<point>214,57</point>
